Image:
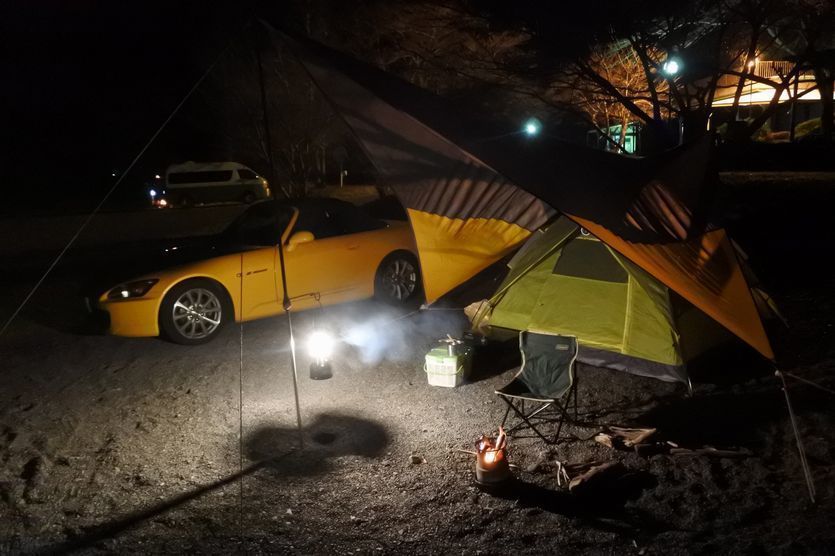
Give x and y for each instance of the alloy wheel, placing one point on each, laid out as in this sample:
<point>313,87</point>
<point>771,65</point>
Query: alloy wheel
<point>399,279</point>
<point>197,313</point>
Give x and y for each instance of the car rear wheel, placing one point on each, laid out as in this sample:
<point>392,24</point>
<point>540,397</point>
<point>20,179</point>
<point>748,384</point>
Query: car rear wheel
<point>398,279</point>
<point>194,312</point>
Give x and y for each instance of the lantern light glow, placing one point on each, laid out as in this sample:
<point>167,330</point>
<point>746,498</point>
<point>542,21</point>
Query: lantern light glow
<point>320,345</point>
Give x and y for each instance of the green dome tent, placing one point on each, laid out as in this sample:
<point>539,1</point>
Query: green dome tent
<point>566,281</point>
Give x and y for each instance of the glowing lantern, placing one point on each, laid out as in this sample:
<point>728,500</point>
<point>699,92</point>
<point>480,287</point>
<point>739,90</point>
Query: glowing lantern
<point>320,346</point>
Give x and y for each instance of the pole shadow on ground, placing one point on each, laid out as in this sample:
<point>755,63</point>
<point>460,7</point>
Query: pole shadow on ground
<point>273,449</point>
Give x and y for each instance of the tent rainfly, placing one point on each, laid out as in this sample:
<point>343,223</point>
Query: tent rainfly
<point>474,193</point>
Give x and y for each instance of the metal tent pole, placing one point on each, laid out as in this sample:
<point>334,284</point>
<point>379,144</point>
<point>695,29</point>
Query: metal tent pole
<point>810,484</point>
<point>287,304</point>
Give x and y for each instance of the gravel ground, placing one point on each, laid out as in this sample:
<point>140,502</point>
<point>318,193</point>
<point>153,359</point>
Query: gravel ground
<point>134,445</point>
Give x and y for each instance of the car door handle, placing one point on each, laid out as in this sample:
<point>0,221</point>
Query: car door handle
<point>352,247</point>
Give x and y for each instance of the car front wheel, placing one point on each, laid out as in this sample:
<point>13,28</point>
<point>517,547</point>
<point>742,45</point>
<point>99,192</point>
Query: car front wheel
<point>398,280</point>
<point>194,312</point>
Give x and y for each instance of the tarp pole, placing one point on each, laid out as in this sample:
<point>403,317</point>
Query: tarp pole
<point>800,449</point>
<point>287,304</point>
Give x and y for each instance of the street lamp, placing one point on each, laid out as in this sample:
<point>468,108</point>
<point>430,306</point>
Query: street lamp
<point>672,66</point>
<point>532,127</point>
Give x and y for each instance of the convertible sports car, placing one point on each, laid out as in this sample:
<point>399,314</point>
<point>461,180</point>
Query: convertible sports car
<point>333,252</point>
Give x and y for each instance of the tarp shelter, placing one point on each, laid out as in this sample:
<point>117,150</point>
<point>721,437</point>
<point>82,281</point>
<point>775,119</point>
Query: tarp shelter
<point>475,192</point>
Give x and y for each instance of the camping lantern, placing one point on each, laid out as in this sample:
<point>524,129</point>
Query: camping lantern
<point>492,468</point>
<point>320,347</point>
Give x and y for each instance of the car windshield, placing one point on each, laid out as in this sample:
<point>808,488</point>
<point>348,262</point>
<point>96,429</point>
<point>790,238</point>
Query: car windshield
<point>261,224</point>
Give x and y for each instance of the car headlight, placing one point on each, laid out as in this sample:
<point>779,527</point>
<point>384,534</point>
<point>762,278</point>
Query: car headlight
<point>131,289</point>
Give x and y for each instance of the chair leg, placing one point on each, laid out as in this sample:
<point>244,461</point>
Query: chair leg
<point>563,419</point>
<point>541,409</point>
<point>527,421</point>
<point>565,409</point>
<point>506,413</point>
<point>574,386</point>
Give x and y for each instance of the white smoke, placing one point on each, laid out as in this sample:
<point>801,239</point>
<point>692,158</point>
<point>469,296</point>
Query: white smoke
<point>385,335</point>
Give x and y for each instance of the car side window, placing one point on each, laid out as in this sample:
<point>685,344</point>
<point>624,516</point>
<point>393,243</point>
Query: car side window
<point>335,219</point>
<point>318,221</point>
<point>351,219</point>
<point>261,225</point>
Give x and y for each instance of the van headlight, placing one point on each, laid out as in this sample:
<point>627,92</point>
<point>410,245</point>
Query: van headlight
<point>131,289</point>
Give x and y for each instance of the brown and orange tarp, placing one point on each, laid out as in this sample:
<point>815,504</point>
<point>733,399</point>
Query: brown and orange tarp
<point>475,191</point>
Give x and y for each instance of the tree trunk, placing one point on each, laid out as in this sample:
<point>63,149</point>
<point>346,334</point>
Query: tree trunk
<point>748,69</point>
<point>624,127</point>
<point>695,124</point>
<point>657,137</point>
<point>773,105</point>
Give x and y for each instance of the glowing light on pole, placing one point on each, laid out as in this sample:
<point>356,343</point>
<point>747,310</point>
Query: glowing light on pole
<point>320,345</point>
<point>532,127</point>
<point>672,66</point>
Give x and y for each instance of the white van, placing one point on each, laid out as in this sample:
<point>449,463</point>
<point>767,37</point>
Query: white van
<point>191,183</point>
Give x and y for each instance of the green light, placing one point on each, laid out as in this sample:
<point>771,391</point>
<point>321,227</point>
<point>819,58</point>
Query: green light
<point>532,127</point>
<point>672,66</point>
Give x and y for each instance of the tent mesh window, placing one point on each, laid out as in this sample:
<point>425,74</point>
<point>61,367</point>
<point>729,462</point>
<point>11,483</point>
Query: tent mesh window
<point>590,259</point>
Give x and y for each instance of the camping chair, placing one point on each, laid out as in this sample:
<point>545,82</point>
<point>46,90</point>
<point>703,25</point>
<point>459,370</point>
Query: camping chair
<point>547,375</point>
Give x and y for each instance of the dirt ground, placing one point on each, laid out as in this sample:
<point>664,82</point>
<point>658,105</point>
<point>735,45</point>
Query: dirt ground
<point>123,445</point>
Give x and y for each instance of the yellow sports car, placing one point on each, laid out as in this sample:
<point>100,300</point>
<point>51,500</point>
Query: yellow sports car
<point>333,252</point>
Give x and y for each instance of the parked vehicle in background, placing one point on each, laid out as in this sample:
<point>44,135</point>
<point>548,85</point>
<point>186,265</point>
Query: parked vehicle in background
<point>192,183</point>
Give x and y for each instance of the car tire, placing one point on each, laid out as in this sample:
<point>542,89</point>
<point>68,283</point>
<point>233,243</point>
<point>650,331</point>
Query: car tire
<point>194,311</point>
<point>398,278</point>
<point>248,198</point>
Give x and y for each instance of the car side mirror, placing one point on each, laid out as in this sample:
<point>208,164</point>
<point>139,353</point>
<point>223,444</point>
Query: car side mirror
<point>298,238</point>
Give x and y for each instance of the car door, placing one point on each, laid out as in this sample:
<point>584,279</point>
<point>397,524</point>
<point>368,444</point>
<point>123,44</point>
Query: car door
<point>331,268</point>
<point>260,294</point>
<point>258,231</point>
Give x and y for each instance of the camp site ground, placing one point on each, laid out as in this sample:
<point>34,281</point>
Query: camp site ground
<point>132,445</point>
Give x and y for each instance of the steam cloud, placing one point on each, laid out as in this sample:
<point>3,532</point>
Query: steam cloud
<point>393,336</point>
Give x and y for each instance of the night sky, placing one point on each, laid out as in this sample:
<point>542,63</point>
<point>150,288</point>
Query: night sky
<point>86,83</point>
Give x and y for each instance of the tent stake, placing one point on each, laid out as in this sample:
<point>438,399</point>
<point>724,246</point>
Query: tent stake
<point>800,449</point>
